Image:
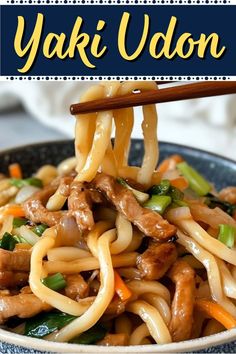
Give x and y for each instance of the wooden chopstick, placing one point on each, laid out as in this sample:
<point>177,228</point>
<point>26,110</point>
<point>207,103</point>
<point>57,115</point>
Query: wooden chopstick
<point>175,93</point>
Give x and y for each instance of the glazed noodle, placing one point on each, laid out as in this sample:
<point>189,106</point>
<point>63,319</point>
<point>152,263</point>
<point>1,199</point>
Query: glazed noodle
<point>95,251</point>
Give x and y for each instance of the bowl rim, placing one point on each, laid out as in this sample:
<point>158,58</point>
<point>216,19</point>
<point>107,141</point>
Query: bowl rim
<point>184,346</point>
<point>189,345</point>
<point>13,149</point>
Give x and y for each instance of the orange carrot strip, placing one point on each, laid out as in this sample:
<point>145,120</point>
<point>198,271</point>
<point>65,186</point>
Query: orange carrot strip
<point>14,209</point>
<point>120,288</point>
<point>180,183</point>
<point>217,312</point>
<point>15,171</point>
<point>169,163</point>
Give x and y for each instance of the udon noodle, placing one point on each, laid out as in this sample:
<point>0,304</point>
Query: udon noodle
<point>95,251</point>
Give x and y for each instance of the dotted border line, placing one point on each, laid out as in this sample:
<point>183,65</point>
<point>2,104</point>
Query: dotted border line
<point>117,2</point>
<point>116,78</point>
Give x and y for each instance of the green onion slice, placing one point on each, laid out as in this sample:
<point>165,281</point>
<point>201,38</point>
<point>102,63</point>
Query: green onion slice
<point>158,203</point>
<point>91,336</point>
<point>227,235</point>
<point>45,323</point>
<point>39,229</point>
<point>33,181</point>
<point>8,242</point>
<point>18,222</point>
<point>196,182</point>
<point>160,189</point>
<point>55,282</point>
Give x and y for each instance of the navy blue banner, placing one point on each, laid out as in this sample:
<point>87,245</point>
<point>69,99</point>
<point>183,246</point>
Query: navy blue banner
<point>105,40</point>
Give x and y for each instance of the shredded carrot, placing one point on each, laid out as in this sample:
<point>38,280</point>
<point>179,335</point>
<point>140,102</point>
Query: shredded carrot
<point>170,163</point>
<point>180,183</point>
<point>120,288</point>
<point>13,209</point>
<point>15,170</point>
<point>217,312</point>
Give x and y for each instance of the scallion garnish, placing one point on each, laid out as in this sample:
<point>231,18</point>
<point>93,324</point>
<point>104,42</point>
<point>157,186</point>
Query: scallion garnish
<point>32,181</point>
<point>91,336</point>
<point>158,203</point>
<point>227,235</point>
<point>175,194</point>
<point>8,242</point>
<point>18,222</point>
<point>45,323</point>
<point>160,189</point>
<point>55,282</point>
<point>196,182</point>
<point>19,239</point>
<point>39,229</point>
<point>212,201</point>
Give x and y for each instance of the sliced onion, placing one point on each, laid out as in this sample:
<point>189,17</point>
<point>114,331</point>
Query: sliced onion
<point>172,174</point>
<point>177,214</point>
<point>27,234</point>
<point>25,193</point>
<point>68,232</point>
<point>212,217</point>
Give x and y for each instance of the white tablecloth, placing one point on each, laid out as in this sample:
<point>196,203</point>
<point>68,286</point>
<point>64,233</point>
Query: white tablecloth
<point>208,123</point>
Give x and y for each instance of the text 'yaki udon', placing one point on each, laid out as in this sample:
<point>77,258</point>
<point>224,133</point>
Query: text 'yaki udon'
<point>95,251</point>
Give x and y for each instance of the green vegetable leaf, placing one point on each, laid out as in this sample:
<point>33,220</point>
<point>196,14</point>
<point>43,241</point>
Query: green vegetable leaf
<point>19,239</point>
<point>91,336</point>
<point>227,235</point>
<point>8,242</point>
<point>45,323</point>
<point>33,181</point>
<point>196,182</point>
<point>160,189</point>
<point>175,194</point>
<point>55,282</point>
<point>158,203</point>
<point>18,222</point>
<point>213,202</point>
<point>39,229</point>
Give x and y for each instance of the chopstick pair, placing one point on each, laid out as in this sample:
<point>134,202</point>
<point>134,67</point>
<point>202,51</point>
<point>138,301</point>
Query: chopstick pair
<point>175,93</point>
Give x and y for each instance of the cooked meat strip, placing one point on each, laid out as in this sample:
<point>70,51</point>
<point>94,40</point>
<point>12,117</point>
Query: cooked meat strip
<point>228,194</point>
<point>21,305</point>
<point>18,260</point>
<point>76,288</point>
<point>114,339</point>
<point>80,204</point>
<point>156,260</point>
<point>64,186</point>
<point>35,210</point>
<point>80,201</point>
<point>183,302</point>
<point>148,221</point>
<point>9,279</point>
<point>116,307</point>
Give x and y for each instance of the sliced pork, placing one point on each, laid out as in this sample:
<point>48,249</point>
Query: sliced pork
<point>156,260</point>
<point>183,302</point>
<point>149,222</point>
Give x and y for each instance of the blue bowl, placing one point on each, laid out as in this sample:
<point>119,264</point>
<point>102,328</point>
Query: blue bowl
<point>217,169</point>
